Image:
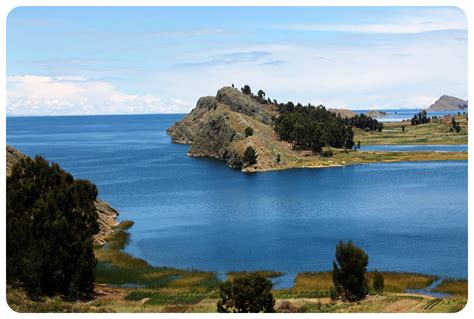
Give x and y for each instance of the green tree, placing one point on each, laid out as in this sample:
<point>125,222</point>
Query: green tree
<point>457,128</point>
<point>246,90</point>
<point>250,156</point>
<point>349,270</point>
<point>261,94</point>
<point>249,293</point>
<point>51,219</point>
<point>278,159</point>
<point>248,131</point>
<point>378,282</point>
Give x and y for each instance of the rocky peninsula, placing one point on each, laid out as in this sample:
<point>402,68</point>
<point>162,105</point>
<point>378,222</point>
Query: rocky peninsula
<point>216,128</point>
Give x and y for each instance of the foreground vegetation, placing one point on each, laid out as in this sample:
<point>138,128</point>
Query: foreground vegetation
<point>128,284</point>
<point>51,220</point>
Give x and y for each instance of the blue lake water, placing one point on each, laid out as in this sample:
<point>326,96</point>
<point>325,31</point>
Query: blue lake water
<point>398,115</point>
<point>198,213</point>
<point>415,148</point>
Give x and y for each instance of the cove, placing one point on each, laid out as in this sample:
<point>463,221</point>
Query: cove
<point>198,213</point>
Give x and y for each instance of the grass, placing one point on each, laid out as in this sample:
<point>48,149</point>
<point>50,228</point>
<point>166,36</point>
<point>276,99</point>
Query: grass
<point>19,301</point>
<point>115,267</point>
<point>436,132</point>
<point>313,281</point>
<point>394,281</point>
<point>165,299</point>
<point>453,287</point>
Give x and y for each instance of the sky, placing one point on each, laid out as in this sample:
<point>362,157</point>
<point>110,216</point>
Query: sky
<point>120,60</point>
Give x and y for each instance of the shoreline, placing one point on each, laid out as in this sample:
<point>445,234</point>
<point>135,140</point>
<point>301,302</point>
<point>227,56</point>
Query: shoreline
<point>116,242</point>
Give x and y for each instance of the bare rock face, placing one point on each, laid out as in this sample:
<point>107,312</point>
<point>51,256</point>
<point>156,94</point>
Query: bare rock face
<point>107,216</point>
<point>215,127</point>
<point>449,103</point>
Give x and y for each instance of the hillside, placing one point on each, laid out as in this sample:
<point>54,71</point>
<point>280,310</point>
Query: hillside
<point>376,114</point>
<point>449,103</point>
<point>107,215</point>
<point>216,128</point>
<point>342,112</point>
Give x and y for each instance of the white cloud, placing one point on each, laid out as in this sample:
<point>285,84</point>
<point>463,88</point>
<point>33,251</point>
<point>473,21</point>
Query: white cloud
<point>378,74</point>
<point>68,95</point>
<point>385,28</point>
<point>426,21</point>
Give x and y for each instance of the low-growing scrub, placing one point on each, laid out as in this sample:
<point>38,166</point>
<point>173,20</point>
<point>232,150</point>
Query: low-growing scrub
<point>393,281</point>
<point>453,287</point>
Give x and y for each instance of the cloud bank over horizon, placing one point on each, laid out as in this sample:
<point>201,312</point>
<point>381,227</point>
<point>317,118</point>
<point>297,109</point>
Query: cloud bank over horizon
<point>138,60</point>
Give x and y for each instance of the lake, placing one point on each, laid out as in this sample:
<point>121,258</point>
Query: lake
<point>398,115</point>
<point>198,213</point>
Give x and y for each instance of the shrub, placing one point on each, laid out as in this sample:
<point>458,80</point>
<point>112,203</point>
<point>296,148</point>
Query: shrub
<point>250,156</point>
<point>349,270</point>
<point>378,283</point>
<point>248,131</point>
<point>250,293</point>
<point>246,90</point>
<point>51,219</point>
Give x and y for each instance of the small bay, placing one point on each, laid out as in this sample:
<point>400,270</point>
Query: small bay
<point>198,213</point>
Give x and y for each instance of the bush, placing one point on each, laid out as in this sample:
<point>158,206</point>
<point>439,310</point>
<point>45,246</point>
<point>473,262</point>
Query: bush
<point>327,152</point>
<point>249,293</point>
<point>250,157</point>
<point>349,272</point>
<point>246,90</point>
<point>378,283</point>
<point>248,131</point>
<point>51,219</point>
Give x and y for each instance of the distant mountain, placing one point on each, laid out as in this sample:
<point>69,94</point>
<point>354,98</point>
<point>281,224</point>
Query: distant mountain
<point>449,103</point>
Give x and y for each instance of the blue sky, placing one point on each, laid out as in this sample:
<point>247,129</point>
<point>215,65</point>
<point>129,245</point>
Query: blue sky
<point>113,60</point>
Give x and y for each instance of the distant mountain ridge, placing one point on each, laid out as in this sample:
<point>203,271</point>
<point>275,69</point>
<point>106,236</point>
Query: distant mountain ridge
<point>449,103</point>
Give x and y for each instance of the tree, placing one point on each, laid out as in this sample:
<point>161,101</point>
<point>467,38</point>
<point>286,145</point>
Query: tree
<point>278,159</point>
<point>51,219</point>
<point>378,283</point>
<point>349,271</point>
<point>261,94</point>
<point>249,293</point>
<point>248,131</point>
<point>246,90</point>
<point>403,128</point>
<point>457,128</point>
<point>250,156</point>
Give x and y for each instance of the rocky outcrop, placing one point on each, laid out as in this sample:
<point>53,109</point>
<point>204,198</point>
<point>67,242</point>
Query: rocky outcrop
<point>376,114</point>
<point>449,103</point>
<point>107,216</point>
<point>215,127</point>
